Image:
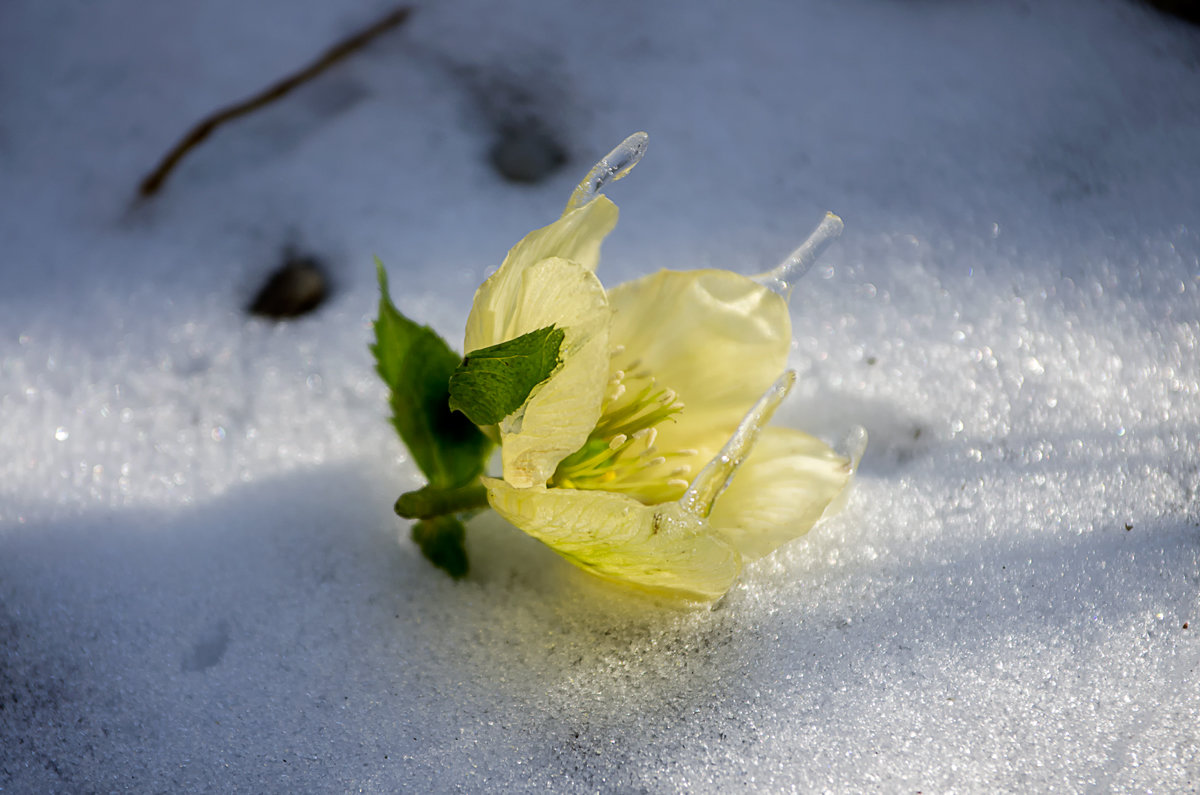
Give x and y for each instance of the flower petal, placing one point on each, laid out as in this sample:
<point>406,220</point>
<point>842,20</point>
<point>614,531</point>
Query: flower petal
<point>560,412</point>
<point>547,279</point>
<point>779,492</point>
<point>576,236</point>
<point>658,547</point>
<point>715,337</point>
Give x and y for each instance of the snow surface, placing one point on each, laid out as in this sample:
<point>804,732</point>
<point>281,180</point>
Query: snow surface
<point>203,586</point>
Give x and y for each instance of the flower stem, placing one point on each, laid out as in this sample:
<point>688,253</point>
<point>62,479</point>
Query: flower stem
<point>431,502</point>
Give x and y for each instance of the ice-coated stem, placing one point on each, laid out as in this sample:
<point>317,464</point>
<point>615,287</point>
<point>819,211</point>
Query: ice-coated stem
<point>612,167</point>
<point>714,478</point>
<point>784,277</point>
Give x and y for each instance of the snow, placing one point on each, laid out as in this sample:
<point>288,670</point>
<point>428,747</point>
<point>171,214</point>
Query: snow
<point>203,586</point>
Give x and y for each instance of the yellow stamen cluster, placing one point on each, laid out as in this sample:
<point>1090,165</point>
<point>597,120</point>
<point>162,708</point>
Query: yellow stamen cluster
<point>620,454</point>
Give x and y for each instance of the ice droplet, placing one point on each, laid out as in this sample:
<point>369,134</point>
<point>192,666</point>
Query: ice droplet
<point>783,277</point>
<point>716,475</point>
<point>612,167</point>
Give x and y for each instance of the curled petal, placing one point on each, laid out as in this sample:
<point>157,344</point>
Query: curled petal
<point>576,236</point>
<point>780,491</point>
<point>548,279</point>
<point>715,337</point>
<point>659,547</point>
<point>560,412</point>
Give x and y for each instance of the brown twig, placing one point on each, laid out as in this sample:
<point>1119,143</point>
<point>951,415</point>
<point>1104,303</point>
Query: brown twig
<point>154,181</point>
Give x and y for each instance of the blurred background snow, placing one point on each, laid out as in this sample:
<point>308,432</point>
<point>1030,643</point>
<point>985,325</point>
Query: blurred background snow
<point>203,586</point>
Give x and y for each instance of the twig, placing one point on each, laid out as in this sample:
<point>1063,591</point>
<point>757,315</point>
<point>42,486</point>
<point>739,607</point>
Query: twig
<point>154,181</point>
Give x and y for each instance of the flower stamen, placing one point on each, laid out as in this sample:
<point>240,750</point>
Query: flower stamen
<point>620,454</point>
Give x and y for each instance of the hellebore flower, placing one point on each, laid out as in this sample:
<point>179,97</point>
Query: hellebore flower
<point>644,456</point>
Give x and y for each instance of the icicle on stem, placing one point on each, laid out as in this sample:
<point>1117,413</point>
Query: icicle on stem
<point>853,445</point>
<point>783,278</point>
<point>612,167</point>
<point>714,478</point>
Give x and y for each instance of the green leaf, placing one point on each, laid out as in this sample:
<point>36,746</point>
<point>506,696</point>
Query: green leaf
<point>442,540</point>
<point>416,364</point>
<point>493,382</point>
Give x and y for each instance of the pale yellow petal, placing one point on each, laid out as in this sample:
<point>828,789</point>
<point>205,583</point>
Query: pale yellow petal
<point>779,492</point>
<point>560,413</point>
<point>656,547</point>
<point>576,236</point>
<point>715,337</point>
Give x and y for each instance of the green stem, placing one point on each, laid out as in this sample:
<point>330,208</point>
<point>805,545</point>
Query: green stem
<point>431,501</point>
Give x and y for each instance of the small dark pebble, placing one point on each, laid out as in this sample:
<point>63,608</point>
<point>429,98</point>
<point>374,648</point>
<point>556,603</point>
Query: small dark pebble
<point>298,287</point>
<point>526,153</point>
<point>1128,526</point>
